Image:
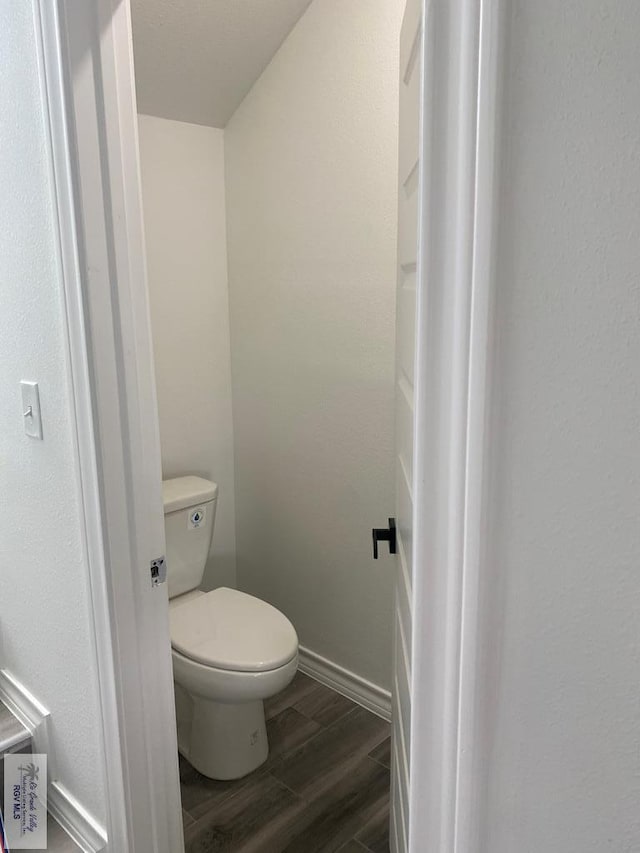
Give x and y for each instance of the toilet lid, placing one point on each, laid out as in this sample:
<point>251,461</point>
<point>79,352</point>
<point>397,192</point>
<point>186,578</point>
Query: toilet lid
<point>231,630</point>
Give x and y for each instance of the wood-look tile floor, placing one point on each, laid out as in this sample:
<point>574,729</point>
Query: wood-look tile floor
<point>323,789</point>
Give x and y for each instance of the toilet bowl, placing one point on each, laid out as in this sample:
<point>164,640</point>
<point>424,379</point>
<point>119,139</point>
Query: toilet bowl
<point>230,650</point>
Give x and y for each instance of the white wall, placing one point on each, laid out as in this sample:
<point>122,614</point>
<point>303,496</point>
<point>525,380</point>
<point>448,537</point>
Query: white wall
<point>311,169</point>
<point>45,631</point>
<point>562,721</point>
<point>184,210</point>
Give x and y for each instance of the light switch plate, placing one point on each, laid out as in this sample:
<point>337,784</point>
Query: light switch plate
<point>31,409</point>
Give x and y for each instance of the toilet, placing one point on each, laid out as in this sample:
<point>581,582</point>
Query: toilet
<point>230,650</point>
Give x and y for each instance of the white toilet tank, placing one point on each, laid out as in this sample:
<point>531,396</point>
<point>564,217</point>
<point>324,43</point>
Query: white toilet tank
<point>189,514</point>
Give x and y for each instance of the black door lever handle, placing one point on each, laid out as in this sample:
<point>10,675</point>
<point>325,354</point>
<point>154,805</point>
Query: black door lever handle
<point>385,534</point>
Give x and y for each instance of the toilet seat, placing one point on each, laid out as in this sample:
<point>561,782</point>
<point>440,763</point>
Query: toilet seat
<point>227,686</point>
<point>229,630</point>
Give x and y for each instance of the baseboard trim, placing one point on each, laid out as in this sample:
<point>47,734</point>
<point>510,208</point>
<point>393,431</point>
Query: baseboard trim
<point>371,696</point>
<point>62,805</point>
<point>28,710</point>
<point>75,819</point>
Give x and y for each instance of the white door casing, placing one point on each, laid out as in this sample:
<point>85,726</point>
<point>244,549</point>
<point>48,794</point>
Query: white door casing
<point>449,94</point>
<point>87,69</point>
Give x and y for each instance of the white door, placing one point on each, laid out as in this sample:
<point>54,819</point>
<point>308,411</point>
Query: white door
<point>408,210</point>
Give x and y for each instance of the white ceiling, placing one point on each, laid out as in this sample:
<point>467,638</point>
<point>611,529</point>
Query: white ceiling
<point>197,59</point>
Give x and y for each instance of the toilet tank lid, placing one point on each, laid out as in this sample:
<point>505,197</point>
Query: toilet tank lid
<point>183,492</point>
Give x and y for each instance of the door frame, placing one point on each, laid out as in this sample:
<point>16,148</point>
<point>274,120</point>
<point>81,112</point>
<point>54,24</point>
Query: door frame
<point>86,70</point>
<point>463,44</point>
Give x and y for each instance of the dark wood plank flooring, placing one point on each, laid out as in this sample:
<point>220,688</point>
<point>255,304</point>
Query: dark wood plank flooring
<point>323,789</point>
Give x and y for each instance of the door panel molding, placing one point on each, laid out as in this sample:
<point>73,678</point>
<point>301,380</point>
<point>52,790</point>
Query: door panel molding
<point>409,174</point>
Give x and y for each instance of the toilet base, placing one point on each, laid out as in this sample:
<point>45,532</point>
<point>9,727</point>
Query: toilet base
<point>222,741</point>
